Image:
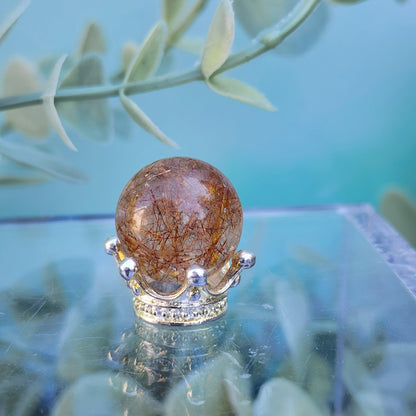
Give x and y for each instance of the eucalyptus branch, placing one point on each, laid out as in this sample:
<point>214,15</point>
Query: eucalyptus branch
<point>265,42</point>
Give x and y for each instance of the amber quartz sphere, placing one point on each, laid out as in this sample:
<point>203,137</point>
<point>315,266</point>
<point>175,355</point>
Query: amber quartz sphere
<point>175,214</point>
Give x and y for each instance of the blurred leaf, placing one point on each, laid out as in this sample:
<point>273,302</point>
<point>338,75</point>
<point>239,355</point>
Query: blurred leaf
<point>216,389</point>
<point>144,121</point>
<point>361,385</point>
<point>129,51</point>
<point>148,58</point>
<point>122,123</point>
<point>346,1</point>
<point>316,380</point>
<point>239,91</point>
<point>282,397</point>
<point>49,102</point>
<point>106,394</point>
<point>85,338</point>
<point>20,77</point>
<point>294,317</point>
<point>47,63</point>
<point>40,160</point>
<point>192,45</point>
<point>263,15</point>
<point>12,18</point>
<point>90,118</point>
<point>219,40</point>
<point>171,9</point>
<point>399,210</point>
<point>13,180</point>
<point>92,40</point>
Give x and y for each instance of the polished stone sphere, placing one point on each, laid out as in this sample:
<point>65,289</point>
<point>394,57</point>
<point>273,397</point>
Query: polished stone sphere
<point>175,214</point>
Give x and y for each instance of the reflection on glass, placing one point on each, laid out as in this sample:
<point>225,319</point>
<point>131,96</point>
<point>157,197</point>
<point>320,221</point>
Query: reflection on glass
<point>322,327</point>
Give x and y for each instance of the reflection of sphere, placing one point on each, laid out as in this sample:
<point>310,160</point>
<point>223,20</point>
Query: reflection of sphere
<point>178,213</point>
<point>159,357</point>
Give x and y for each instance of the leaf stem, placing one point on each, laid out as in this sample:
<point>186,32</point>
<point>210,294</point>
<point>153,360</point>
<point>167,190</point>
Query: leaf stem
<point>264,42</point>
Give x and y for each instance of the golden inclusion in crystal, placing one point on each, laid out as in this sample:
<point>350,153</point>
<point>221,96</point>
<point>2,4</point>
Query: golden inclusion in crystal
<point>178,213</point>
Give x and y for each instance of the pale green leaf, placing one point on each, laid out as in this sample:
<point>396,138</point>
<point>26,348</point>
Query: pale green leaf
<point>144,121</point>
<point>258,16</point>
<point>361,385</point>
<point>46,64</point>
<point>219,40</point>
<point>13,17</point>
<point>294,317</point>
<point>45,162</point>
<point>148,58</point>
<point>92,40</point>
<point>49,103</point>
<point>191,45</point>
<point>90,118</point>
<point>106,393</point>
<point>217,388</point>
<point>20,77</point>
<point>81,338</point>
<point>282,397</point>
<point>171,9</point>
<point>239,91</point>
<point>400,211</point>
<point>129,51</point>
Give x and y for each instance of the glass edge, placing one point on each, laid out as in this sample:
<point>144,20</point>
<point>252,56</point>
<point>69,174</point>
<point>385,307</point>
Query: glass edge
<point>248,212</point>
<point>388,243</point>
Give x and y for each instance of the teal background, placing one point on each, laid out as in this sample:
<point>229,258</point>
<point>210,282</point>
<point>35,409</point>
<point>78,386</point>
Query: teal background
<point>345,130</point>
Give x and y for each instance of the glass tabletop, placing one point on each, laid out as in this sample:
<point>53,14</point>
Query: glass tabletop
<point>324,324</point>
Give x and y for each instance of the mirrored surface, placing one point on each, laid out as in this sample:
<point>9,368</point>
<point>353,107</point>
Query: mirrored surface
<point>323,325</point>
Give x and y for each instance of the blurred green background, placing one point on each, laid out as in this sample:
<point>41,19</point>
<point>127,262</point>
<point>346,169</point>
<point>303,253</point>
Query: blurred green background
<point>345,131</point>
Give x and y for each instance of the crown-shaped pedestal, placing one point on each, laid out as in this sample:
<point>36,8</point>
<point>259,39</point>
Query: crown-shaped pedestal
<point>179,221</point>
<point>194,302</point>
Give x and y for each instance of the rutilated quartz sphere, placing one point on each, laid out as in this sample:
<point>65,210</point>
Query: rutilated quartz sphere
<point>175,214</point>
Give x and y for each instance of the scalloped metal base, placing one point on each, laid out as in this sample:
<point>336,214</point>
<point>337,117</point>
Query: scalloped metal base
<point>179,315</point>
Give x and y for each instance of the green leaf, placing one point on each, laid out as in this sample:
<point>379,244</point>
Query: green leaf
<point>239,91</point>
<point>147,60</point>
<point>92,40</point>
<point>400,211</point>
<point>171,9</point>
<point>20,77</point>
<point>45,162</point>
<point>144,121</point>
<point>90,118</point>
<point>49,103</point>
<point>282,397</point>
<point>219,39</point>
<point>13,17</point>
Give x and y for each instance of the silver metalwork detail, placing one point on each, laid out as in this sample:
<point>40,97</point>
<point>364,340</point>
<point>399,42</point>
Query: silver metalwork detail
<point>127,268</point>
<point>195,302</point>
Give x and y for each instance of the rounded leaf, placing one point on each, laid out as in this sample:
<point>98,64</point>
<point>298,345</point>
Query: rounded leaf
<point>282,397</point>
<point>20,77</point>
<point>219,40</point>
